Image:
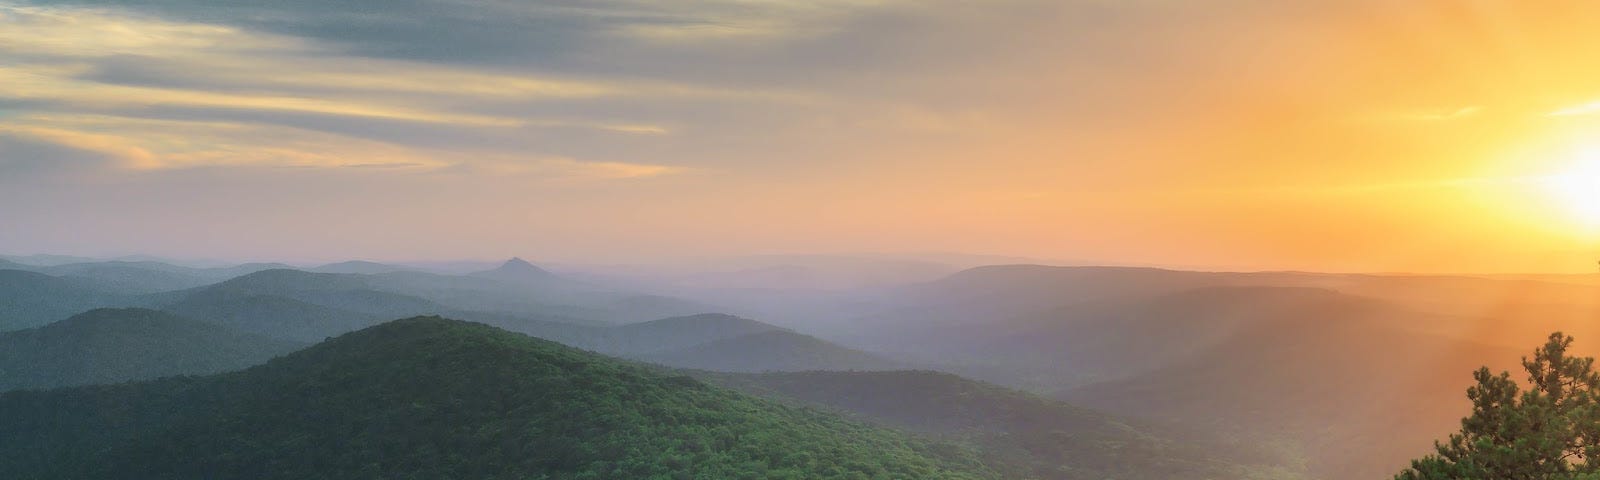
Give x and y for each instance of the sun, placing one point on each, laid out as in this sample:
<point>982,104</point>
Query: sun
<point>1578,188</point>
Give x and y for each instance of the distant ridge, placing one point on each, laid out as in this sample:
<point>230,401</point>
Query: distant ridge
<point>31,299</point>
<point>359,267</point>
<point>298,305</point>
<point>772,351</point>
<point>117,345</point>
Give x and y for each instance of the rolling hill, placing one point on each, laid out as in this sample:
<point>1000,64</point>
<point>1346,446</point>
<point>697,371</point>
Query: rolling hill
<point>142,276</point>
<point>1355,394</point>
<point>31,299</point>
<point>134,278</point>
<point>519,287</point>
<point>117,345</point>
<point>1104,340</point>
<point>359,267</point>
<point>1032,436</point>
<point>675,333</point>
<point>1487,309</point>
<point>297,305</point>
<point>432,398</point>
<point>1353,373</point>
<point>775,351</point>
<point>271,315</point>
<point>308,306</point>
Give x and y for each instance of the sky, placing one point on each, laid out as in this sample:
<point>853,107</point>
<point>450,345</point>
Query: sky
<point>1330,135</point>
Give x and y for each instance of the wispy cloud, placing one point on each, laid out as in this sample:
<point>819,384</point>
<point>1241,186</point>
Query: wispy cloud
<point>1590,108</point>
<point>98,79</point>
<point>147,144</point>
<point>562,168</point>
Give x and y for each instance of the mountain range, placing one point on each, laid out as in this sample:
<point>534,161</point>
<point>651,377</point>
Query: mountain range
<point>108,346</point>
<point>1275,374</point>
<point>433,398</point>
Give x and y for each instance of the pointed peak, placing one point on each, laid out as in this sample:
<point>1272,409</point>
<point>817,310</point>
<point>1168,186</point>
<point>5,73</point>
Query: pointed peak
<point>517,264</point>
<point>517,269</point>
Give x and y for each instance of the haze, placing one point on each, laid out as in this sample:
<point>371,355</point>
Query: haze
<point>1321,135</point>
<point>799,239</point>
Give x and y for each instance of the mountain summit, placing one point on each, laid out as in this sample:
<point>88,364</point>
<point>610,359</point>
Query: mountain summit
<point>517,270</point>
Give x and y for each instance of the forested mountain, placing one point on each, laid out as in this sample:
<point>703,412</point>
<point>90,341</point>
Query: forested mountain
<point>117,345</point>
<point>1027,435</point>
<point>676,333</point>
<point>775,350</point>
<point>30,299</point>
<point>1223,352</point>
<point>296,305</point>
<point>359,267</point>
<point>306,306</point>
<point>521,288</point>
<point>433,398</point>
<point>133,277</point>
<point>519,271</point>
<point>271,315</point>
<point>139,277</point>
<point>369,293</point>
<point>556,294</point>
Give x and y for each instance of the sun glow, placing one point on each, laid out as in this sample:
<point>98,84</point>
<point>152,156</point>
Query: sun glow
<point>1578,188</point>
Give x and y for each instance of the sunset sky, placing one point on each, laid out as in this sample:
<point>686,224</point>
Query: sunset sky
<point>1337,135</point>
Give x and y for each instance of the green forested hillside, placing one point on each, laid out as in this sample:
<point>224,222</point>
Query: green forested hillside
<point>1024,435</point>
<point>775,351</point>
<point>118,345</point>
<point>30,299</point>
<point>676,333</point>
<point>132,278</point>
<point>271,315</point>
<point>428,398</point>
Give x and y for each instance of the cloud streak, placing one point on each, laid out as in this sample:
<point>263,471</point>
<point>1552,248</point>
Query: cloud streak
<point>100,79</point>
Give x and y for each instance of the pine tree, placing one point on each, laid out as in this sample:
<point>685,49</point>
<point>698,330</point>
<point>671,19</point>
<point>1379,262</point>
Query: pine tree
<point>1549,431</point>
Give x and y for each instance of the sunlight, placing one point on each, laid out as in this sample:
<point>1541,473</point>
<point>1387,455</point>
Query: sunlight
<point>1578,188</point>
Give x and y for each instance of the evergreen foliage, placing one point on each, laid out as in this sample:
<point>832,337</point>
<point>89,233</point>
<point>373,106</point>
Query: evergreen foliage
<point>1551,430</point>
<point>428,398</point>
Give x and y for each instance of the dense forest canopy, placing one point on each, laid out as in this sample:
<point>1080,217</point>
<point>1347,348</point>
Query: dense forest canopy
<point>434,398</point>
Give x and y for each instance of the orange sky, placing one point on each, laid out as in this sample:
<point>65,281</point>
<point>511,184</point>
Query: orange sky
<point>1318,135</point>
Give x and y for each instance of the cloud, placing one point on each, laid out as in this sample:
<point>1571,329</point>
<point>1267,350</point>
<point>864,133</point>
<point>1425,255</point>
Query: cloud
<point>739,21</point>
<point>561,168</point>
<point>28,156</point>
<point>147,144</point>
<point>156,144</point>
<point>56,83</point>
<point>55,32</point>
<point>161,91</point>
<point>1590,108</point>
